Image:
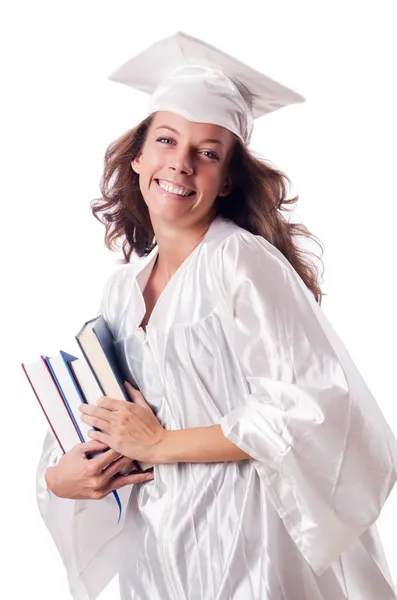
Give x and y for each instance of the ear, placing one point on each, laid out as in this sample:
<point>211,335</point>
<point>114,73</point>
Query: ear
<point>136,163</point>
<point>226,188</point>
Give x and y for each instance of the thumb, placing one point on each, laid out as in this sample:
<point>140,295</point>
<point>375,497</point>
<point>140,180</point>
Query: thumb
<point>92,446</point>
<point>136,395</point>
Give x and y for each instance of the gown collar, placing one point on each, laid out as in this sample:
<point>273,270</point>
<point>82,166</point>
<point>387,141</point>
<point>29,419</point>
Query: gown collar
<point>158,317</point>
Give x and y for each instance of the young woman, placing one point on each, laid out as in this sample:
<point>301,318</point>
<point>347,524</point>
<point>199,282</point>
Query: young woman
<point>271,458</point>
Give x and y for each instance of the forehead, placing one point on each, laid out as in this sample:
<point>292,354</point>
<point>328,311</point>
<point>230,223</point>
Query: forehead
<point>192,129</point>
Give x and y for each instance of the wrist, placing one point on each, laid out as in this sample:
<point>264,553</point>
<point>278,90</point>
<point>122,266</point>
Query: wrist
<point>162,451</point>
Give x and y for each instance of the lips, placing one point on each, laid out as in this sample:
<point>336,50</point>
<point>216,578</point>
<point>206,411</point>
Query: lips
<point>187,192</point>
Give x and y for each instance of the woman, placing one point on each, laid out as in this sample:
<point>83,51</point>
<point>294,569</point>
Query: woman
<point>271,458</point>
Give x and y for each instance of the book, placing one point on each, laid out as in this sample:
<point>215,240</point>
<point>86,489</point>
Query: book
<point>90,392</point>
<point>69,389</point>
<point>85,379</point>
<point>56,403</point>
<point>97,345</point>
<point>63,382</point>
<point>52,404</point>
<point>59,395</point>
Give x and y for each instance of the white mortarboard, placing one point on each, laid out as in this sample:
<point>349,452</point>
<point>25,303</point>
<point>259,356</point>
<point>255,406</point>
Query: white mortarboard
<point>191,78</point>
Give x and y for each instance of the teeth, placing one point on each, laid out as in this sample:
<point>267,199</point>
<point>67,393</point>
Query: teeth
<point>170,188</point>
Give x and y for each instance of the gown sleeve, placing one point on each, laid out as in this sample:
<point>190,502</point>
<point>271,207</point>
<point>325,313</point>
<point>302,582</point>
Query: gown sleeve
<point>87,533</point>
<point>323,450</point>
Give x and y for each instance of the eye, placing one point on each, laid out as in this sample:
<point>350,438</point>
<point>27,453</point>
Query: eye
<point>211,155</point>
<point>164,139</point>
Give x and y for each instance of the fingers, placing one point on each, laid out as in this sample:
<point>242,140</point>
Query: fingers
<point>114,468</point>
<point>122,480</point>
<point>98,436</point>
<point>92,446</point>
<point>104,460</point>
<point>90,413</point>
<point>110,404</point>
<point>98,422</point>
<point>136,395</point>
<point>105,454</point>
<point>131,391</point>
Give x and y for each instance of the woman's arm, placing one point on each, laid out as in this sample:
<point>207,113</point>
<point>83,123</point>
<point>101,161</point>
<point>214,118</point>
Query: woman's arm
<point>195,445</point>
<point>132,429</point>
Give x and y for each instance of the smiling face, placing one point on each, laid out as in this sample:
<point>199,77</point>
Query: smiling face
<point>183,167</point>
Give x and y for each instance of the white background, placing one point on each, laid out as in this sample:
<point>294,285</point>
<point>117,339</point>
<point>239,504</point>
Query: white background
<point>59,113</point>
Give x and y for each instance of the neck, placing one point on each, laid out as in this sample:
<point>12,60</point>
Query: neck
<point>175,245</point>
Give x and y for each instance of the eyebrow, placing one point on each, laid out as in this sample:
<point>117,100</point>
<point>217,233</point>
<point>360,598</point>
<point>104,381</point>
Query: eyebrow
<point>206,141</point>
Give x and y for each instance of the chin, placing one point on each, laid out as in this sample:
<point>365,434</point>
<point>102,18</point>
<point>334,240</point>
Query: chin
<point>166,214</point>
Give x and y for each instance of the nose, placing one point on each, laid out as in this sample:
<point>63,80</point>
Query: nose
<point>181,161</point>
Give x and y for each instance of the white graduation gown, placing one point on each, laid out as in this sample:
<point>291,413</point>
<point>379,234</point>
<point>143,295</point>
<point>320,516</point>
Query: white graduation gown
<point>236,339</point>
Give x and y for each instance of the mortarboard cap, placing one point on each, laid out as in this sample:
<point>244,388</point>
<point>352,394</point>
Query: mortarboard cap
<point>187,76</point>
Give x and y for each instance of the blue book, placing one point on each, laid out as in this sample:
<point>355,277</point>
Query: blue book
<point>69,390</point>
<point>97,345</point>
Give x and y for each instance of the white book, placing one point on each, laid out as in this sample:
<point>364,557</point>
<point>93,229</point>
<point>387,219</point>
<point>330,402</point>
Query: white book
<point>88,384</point>
<point>52,404</point>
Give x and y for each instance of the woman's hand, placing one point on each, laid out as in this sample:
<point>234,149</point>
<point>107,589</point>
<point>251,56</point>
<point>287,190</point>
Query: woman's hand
<point>78,477</point>
<point>129,428</point>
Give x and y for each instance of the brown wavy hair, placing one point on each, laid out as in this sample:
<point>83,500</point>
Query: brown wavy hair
<point>256,203</point>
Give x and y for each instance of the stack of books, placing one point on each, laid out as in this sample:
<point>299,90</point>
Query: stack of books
<point>63,382</point>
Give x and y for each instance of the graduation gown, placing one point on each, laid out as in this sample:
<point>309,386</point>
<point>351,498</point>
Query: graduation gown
<point>236,339</point>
